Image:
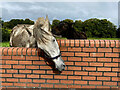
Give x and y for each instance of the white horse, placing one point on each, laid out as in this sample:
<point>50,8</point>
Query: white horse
<point>38,35</point>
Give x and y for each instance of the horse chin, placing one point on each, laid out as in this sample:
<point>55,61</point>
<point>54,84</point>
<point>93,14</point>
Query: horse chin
<point>59,64</point>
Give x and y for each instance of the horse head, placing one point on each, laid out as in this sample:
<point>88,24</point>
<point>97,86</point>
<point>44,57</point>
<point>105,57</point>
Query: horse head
<point>47,42</point>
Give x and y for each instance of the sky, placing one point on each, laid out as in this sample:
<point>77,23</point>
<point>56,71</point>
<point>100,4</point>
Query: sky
<point>60,10</point>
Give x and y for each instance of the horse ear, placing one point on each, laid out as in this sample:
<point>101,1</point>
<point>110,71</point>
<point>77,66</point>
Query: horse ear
<point>46,27</point>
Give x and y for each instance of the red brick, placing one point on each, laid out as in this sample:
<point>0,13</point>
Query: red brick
<point>32,67</point>
<point>95,82</point>
<point>103,78</point>
<point>104,59</point>
<point>39,71</point>
<point>11,62</point>
<point>69,63</point>
<point>112,43</point>
<point>96,64</point>
<point>82,43</point>
<point>102,43</point>
<point>104,49</point>
<point>117,43</point>
<point>46,85</point>
<point>10,51</point>
<point>74,86</point>
<point>32,58</point>
<point>66,81</point>
<point>74,49</point>
<point>60,77</point>
<point>110,83</point>
<point>19,75</point>
<point>116,50</point>
<point>52,81</point>
<point>95,73</point>
<point>19,51</point>
<point>80,82</point>
<point>92,43</point>
<point>77,43</point>
<point>47,76</point>
<point>29,51</point>
<point>103,87</point>
<point>6,84</point>
<point>20,84</point>
<point>96,54</point>
<point>63,48</point>
<point>33,51</point>
<point>11,80</point>
<point>111,64</point>
<point>67,73</point>
<point>81,63</point>
<point>81,73</point>
<point>89,59</point>
<point>107,43</point>
<point>88,78</point>
<point>38,81</point>
<point>97,43</point>
<point>74,68</point>
<point>24,51</point>
<point>15,51</point>
<point>5,66</point>
<point>89,68</point>
<point>6,75</point>
<point>62,42</point>
<point>74,77</point>
<point>67,42</point>
<point>32,85</point>
<point>115,69</point>
<point>25,80</point>
<point>60,86</point>
<point>81,54</point>
<point>25,71</point>
<point>88,87</point>
<point>89,49</point>
<point>25,62</point>
<point>72,42</point>
<point>5,50</point>
<point>116,59</point>
<point>103,69</point>
<point>6,57</point>
<point>115,79</point>
<point>74,59</point>
<point>18,57</point>
<point>12,71</point>
<point>67,53</point>
<point>111,54</point>
<point>45,67</point>
<point>32,76</point>
<point>110,74</point>
<point>18,66</point>
<point>87,43</point>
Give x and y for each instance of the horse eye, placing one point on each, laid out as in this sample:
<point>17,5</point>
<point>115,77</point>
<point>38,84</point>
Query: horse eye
<point>53,40</point>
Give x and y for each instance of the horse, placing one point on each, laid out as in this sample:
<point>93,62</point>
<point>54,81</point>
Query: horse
<point>38,35</point>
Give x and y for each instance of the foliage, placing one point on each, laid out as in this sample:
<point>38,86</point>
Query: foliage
<point>4,44</point>
<point>7,26</point>
<point>10,24</point>
<point>92,27</point>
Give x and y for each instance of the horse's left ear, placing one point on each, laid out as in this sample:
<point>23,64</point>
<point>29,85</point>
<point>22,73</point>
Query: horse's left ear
<point>46,27</point>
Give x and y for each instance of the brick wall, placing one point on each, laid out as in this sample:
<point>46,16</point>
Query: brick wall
<point>89,64</point>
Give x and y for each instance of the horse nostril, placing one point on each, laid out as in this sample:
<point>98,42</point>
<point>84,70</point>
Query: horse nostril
<point>63,65</point>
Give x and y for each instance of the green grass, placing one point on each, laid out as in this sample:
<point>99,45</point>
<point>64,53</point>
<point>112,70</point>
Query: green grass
<point>103,38</point>
<point>6,44</point>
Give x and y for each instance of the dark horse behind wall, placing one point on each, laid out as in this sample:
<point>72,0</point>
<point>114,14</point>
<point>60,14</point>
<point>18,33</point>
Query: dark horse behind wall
<point>67,30</point>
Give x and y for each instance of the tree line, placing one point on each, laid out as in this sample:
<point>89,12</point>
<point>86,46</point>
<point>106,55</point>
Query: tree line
<point>92,27</point>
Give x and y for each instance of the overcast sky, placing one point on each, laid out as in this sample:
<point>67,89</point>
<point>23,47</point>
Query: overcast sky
<point>60,10</point>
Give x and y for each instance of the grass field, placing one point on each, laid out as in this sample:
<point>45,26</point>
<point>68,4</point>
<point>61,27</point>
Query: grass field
<point>6,44</point>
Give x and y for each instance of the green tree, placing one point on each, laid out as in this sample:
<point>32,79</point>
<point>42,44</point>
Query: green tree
<point>78,25</point>
<point>99,28</point>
